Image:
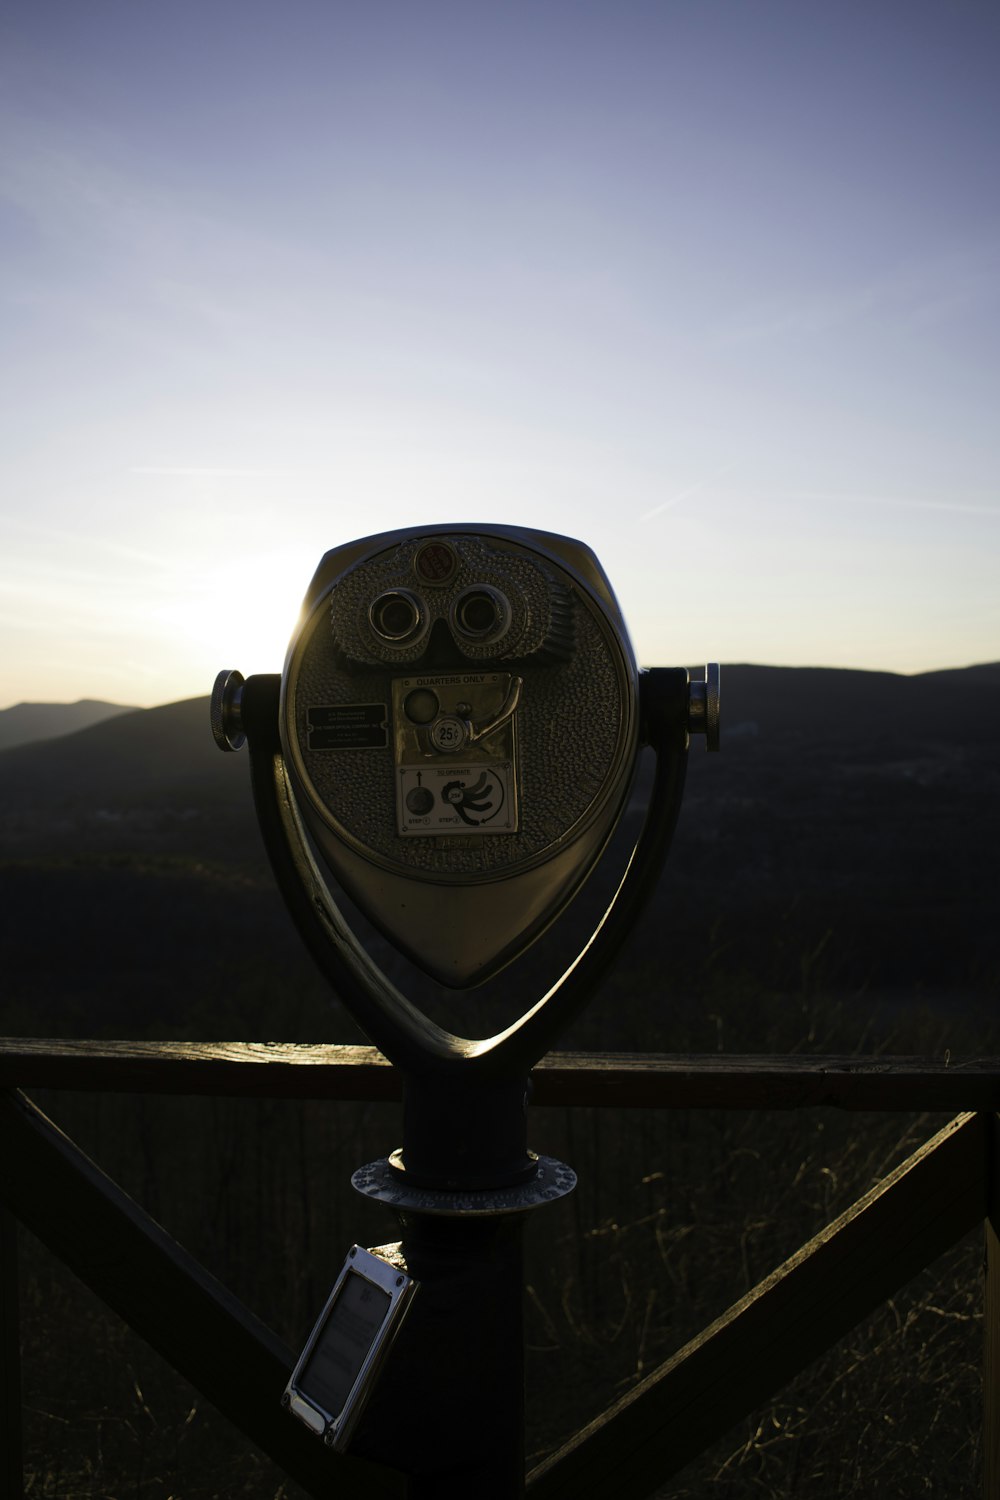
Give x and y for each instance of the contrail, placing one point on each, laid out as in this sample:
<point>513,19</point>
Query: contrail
<point>692,489</point>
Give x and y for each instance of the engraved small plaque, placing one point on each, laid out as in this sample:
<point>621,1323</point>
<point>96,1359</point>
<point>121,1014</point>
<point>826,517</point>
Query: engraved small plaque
<point>348,726</point>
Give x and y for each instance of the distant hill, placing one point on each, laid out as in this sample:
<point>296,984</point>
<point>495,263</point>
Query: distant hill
<point>26,722</point>
<point>847,838</point>
<point>149,780</point>
<point>848,833</point>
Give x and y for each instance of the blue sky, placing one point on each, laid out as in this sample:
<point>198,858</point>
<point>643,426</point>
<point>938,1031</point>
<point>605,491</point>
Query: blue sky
<point>711,284</point>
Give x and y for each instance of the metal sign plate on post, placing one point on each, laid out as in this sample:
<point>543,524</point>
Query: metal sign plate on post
<point>336,1371</point>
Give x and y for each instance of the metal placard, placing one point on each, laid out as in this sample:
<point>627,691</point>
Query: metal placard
<point>456,751</point>
<point>337,1370</point>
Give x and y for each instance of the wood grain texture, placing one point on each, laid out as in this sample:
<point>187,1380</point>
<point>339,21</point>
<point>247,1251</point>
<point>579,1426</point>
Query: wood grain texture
<point>273,1070</point>
<point>613,1080</point>
<point>762,1081</point>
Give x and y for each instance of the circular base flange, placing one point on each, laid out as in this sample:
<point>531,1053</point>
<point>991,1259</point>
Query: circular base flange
<point>552,1180</point>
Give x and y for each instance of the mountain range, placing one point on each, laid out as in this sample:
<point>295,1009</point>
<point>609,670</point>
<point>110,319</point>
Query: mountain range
<point>26,722</point>
<point>846,838</point>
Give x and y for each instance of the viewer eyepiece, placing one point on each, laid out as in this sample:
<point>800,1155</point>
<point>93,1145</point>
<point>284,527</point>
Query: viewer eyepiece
<point>396,615</point>
<point>480,614</point>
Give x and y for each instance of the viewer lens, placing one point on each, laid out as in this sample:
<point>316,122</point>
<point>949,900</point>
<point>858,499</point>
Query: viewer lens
<point>395,616</point>
<point>481,614</point>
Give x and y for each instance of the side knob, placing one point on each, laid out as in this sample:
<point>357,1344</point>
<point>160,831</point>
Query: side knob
<point>703,706</point>
<point>227,723</point>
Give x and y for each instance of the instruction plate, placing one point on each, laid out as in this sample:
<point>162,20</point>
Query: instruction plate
<point>474,797</point>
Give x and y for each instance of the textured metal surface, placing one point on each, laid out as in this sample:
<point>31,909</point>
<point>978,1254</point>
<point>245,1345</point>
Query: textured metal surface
<point>553,1180</point>
<point>538,617</point>
<point>539,711</point>
<point>575,721</point>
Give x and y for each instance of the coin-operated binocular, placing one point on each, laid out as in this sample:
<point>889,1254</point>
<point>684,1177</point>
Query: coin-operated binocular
<point>452,744</point>
<point>460,715</point>
<point>449,752</point>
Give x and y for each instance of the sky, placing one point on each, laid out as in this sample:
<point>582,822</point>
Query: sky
<point>711,285</point>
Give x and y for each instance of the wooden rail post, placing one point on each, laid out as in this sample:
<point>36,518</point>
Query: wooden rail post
<point>11,1464</point>
<point>991,1318</point>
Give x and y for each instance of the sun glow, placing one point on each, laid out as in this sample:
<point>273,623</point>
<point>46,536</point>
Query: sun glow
<point>242,614</point>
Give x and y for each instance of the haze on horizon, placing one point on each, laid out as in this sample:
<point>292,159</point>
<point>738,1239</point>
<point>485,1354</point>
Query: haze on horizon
<point>713,287</point>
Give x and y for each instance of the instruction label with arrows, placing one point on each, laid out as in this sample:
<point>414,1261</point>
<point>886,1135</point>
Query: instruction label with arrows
<point>468,798</point>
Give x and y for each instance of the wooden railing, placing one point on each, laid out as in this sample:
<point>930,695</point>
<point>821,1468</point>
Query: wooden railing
<point>927,1204</point>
